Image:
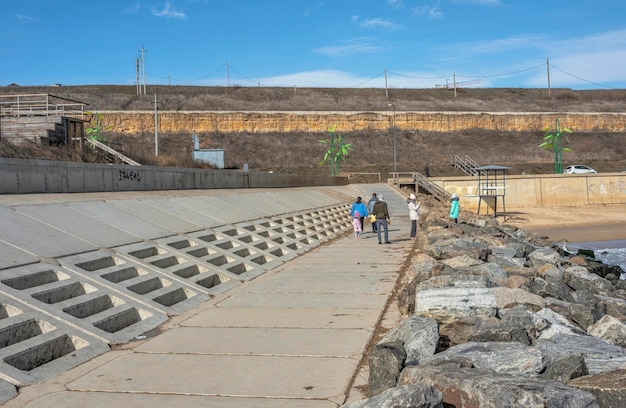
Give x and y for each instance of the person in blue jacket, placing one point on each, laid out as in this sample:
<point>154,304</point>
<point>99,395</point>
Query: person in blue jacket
<point>359,206</point>
<point>454,208</point>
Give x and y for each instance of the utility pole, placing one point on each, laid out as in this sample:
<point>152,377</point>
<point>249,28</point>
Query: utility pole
<point>143,68</point>
<point>548,66</point>
<point>386,89</point>
<point>137,80</point>
<point>227,73</point>
<point>156,125</point>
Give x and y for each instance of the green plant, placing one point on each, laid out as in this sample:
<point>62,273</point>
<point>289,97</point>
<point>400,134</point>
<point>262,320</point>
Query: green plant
<point>96,128</point>
<point>552,140</point>
<point>337,150</point>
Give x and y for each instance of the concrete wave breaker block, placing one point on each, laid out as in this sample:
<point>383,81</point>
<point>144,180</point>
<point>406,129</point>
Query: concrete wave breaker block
<point>139,281</point>
<point>35,345</point>
<point>85,303</point>
<point>178,266</point>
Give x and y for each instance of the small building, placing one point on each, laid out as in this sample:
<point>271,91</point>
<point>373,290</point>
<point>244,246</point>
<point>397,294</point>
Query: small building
<point>214,157</point>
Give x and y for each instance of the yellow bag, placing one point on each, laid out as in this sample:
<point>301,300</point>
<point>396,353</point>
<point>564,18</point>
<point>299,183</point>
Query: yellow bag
<point>372,218</point>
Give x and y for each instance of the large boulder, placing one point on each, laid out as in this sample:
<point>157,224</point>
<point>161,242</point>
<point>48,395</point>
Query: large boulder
<point>484,388</point>
<point>609,387</point>
<point>550,287</point>
<point>579,278</point>
<point>506,297</point>
<point>406,396</point>
<point>420,336</point>
<point>541,256</point>
<point>610,330</point>
<point>451,303</point>
<point>501,357</point>
<point>385,362</point>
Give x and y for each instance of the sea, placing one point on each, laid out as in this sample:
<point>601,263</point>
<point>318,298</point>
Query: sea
<point>608,252</point>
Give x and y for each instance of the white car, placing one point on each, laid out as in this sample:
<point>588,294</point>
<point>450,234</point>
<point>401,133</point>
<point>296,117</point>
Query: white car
<point>578,169</point>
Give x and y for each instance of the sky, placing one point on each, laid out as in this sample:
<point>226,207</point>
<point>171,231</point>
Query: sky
<point>578,44</point>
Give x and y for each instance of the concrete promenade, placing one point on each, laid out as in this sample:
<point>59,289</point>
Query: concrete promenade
<point>293,336</point>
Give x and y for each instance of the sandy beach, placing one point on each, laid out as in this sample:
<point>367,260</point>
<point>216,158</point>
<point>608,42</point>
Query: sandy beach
<point>573,224</point>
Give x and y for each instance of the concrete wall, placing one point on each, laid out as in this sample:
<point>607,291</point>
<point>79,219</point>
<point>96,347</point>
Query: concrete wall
<point>41,176</point>
<point>546,190</point>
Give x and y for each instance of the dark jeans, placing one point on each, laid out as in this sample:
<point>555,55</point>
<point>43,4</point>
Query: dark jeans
<point>380,224</point>
<point>413,228</point>
<point>362,220</point>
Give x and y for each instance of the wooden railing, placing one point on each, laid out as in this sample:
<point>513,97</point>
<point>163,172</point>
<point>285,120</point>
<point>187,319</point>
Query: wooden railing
<point>465,164</point>
<point>41,105</point>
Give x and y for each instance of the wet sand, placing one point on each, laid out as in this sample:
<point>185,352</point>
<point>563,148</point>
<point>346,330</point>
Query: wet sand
<point>572,224</point>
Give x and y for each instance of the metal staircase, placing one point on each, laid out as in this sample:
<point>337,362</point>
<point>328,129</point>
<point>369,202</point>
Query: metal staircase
<point>466,165</point>
<point>120,156</point>
<point>423,182</point>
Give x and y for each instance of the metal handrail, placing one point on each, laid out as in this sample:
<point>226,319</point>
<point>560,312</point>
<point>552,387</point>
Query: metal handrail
<point>466,165</point>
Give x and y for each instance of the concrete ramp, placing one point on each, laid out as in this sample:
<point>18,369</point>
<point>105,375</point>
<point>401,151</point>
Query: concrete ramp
<point>83,271</point>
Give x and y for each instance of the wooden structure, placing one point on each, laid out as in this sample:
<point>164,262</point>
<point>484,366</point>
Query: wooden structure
<point>42,118</point>
<point>491,187</point>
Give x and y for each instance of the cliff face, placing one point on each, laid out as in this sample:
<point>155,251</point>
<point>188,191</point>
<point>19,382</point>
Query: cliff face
<point>133,122</point>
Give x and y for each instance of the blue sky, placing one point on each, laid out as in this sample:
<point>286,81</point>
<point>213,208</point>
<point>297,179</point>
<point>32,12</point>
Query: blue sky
<point>313,43</point>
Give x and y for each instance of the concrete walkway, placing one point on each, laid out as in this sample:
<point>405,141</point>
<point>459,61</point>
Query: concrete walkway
<point>291,337</point>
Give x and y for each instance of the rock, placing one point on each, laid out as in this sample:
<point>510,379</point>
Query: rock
<point>579,260</point>
<point>461,261</point>
<point>385,361</point>
<point>484,388</point>
<point>506,297</point>
<point>489,269</point>
<point>579,278</point>
<point>450,248</point>
<point>501,357</point>
<point>591,348</point>
<point>422,265</point>
<point>602,365</point>
<point>609,387</point>
<point>602,270</point>
<point>449,304</point>
<point>549,324</point>
<point>406,396</point>
<point>548,270</point>
<point>550,287</point>
<point>566,369</point>
<point>610,330</point>
<point>420,336</point>
<point>516,281</point>
<point>541,256</point>
<point>450,280</point>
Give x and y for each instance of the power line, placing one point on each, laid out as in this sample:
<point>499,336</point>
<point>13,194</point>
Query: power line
<point>579,78</point>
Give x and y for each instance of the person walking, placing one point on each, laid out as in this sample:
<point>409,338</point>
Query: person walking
<point>454,208</point>
<point>356,222</point>
<point>381,211</point>
<point>427,170</point>
<point>370,208</point>
<point>359,206</point>
<point>414,214</point>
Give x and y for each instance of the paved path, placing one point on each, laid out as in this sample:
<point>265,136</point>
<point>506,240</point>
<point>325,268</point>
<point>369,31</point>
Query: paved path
<point>292,337</point>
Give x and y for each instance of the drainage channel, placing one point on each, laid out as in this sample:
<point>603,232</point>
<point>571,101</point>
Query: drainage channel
<point>53,317</point>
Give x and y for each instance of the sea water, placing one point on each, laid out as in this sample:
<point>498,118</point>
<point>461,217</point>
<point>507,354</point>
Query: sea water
<point>608,252</point>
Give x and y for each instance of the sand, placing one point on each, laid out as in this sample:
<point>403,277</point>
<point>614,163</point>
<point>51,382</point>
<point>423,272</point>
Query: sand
<point>572,224</point>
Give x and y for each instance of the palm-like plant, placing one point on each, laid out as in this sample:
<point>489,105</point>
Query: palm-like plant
<point>337,151</point>
<point>552,140</point>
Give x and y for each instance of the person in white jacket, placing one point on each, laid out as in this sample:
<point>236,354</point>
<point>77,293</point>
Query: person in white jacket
<point>414,213</point>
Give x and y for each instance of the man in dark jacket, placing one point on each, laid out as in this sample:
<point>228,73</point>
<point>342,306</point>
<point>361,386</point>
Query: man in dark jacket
<point>382,218</point>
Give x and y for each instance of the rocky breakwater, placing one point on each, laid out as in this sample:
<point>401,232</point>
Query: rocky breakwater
<point>495,318</point>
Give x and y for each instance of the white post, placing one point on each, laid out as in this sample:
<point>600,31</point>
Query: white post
<point>156,126</point>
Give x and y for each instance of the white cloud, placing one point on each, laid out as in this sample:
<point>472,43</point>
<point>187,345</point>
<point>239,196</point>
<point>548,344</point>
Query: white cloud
<point>363,45</point>
<point>478,2</point>
<point>169,12</point>
<point>397,4</point>
<point>432,10</point>
<point>26,18</point>
<point>380,23</point>
<point>133,8</point>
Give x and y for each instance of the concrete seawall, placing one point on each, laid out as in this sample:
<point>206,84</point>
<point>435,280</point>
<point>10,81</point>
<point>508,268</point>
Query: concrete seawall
<point>40,176</point>
<point>545,190</point>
